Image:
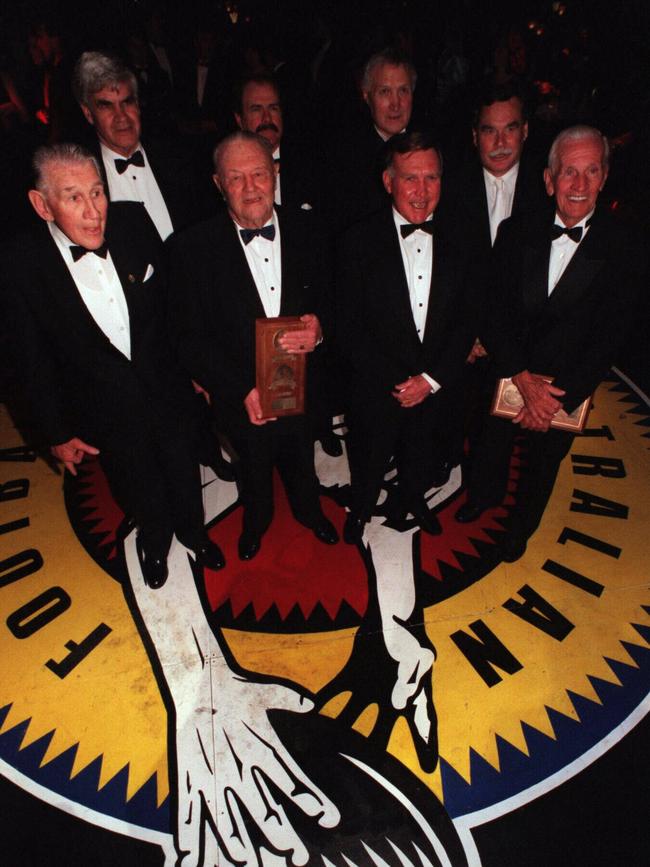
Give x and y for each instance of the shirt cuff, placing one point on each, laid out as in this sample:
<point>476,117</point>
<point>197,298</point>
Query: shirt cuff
<point>435,386</point>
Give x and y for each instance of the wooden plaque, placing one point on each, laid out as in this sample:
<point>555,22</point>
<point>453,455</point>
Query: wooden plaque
<point>508,401</point>
<point>280,375</point>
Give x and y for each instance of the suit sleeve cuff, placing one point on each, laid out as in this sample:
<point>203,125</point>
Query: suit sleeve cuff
<point>435,386</point>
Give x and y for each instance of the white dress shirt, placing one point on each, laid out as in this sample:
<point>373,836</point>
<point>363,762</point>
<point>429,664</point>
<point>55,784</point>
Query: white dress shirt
<point>264,259</point>
<point>417,257</point>
<point>137,184</point>
<point>500,196</point>
<point>100,289</point>
<point>562,251</point>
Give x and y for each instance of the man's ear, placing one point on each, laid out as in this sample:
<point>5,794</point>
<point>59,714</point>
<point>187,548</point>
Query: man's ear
<point>524,130</point>
<point>87,113</point>
<point>217,183</point>
<point>39,204</point>
<point>548,182</point>
<point>387,179</point>
<point>238,119</point>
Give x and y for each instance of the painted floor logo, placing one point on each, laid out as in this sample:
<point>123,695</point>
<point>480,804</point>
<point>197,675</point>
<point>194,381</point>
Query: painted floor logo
<point>240,723</point>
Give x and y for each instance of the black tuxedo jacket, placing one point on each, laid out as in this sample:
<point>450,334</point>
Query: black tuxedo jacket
<point>298,181</point>
<point>215,302</point>
<point>463,212</point>
<point>73,380</point>
<point>376,336</point>
<point>574,334</point>
<point>189,199</point>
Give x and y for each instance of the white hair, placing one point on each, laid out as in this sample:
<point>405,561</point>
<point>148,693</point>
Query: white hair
<point>576,133</point>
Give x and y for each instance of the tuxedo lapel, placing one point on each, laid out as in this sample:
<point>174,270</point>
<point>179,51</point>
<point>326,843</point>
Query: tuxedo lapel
<point>244,291</point>
<point>441,287</point>
<point>536,253</point>
<point>67,303</point>
<point>580,272</point>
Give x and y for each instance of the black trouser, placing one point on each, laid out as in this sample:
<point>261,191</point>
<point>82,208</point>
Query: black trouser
<point>154,475</point>
<point>262,448</point>
<point>543,454</point>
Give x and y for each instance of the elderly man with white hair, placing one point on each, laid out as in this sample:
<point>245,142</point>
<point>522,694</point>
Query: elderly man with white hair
<point>565,294</point>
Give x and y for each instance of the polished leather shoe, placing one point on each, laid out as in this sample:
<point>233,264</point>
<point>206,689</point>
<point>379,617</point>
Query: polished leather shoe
<point>353,529</point>
<point>223,469</point>
<point>469,512</point>
<point>325,532</point>
<point>249,544</point>
<point>441,475</point>
<point>210,555</point>
<point>154,567</point>
<point>513,548</point>
<point>428,522</point>
<point>331,445</point>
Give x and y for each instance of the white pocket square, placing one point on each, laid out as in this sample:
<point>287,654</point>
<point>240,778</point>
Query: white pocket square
<point>148,273</point>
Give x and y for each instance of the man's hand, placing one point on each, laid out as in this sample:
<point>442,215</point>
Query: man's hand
<point>254,408</point>
<point>200,390</point>
<point>72,453</point>
<point>477,351</point>
<point>412,391</point>
<point>301,341</point>
<point>540,401</point>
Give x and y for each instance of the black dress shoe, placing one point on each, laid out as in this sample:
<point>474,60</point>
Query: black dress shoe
<point>331,444</point>
<point>426,519</point>
<point>153,565</point>
<point>353,529</point>
<point>469,512</point>
<point>513,548</point>
<point>441,475</point>
<point>223,469</point>
<point>210,555</point>
<point>325,532</point>
<point>249,544</point>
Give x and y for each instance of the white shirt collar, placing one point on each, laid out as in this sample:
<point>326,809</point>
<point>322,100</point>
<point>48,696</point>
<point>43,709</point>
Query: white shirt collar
<point>582,224</point>
<point>108,154</point>
<point>384,136</point>
<point>402,221</point>
<point>510,176</point>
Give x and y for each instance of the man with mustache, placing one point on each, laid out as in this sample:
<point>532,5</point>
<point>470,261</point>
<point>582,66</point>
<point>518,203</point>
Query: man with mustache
<point>258,109</point>
<point>483,192</point>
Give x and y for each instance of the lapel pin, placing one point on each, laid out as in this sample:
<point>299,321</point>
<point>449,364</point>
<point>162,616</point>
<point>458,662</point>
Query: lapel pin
<point>131,278</point>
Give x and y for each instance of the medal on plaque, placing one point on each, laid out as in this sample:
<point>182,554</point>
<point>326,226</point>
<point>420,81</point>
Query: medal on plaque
<point>280,375</point>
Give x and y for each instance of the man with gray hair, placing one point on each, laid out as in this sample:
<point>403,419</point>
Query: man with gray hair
<point>355,162</point>
<point>164,181</point>
<point>565,293</point>
<point>85,299</point>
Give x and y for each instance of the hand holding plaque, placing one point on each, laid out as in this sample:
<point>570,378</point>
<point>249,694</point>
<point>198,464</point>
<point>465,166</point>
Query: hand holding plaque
<point>280,373</point>
<point>508,403</point>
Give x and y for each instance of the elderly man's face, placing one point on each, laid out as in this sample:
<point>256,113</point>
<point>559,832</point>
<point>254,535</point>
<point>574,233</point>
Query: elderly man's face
<point>261,112</point>
<point>75,201</point>
<point>115,114</point>
<point>414,184</point>
<point>500,135</point>
<point>246,177</point>
<point>390,98</point>
<point>578,178</point>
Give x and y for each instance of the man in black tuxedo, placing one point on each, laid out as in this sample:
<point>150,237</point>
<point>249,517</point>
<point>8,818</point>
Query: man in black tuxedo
<point>565,294</point>
<point>163,180</point>
<point>247,263</point>
<point>353,163</point>
<point>85,299</point>
<point>402,334</point>
<point>258,109</point>
<point>501,180</point>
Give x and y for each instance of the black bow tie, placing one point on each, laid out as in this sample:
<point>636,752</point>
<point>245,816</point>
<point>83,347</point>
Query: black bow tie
<point>78,252</point>
<point>267,232</point>
<point>407,229</point>
<point>136,159</point>
<point>575,233</point>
